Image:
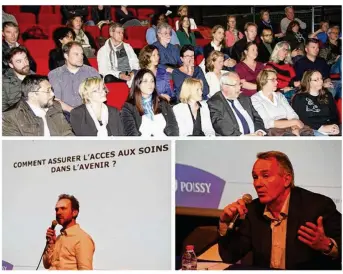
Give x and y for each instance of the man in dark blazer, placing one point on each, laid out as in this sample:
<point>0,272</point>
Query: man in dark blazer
<point>223,105</point>
<point>286,227</point>
<point>265,48</point>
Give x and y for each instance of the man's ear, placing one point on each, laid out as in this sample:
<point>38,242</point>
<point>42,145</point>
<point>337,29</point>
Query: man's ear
<point>287,180</point>
<point>75,213</point>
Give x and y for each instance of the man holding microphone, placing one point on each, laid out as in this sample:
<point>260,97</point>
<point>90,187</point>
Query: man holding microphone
<point>286,227</point>
<point>73,249</point>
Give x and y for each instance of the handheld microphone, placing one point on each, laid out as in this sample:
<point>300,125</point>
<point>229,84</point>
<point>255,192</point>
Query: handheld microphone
<point>247,200</point>
<point>53,225</point>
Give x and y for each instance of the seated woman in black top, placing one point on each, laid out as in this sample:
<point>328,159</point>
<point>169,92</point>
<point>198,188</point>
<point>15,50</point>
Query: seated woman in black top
<point>315,105</point>
<point>101,14</point>
<point>94,118</point>
<point>126,17</point>
<point>295,39</point>
<point>62,36</point>
<point>145,113</point>
<point>218,43</point>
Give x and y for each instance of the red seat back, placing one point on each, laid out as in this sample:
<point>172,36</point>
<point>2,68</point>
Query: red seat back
<point>39,48</point>
<point>93,62</point>
<point>105,31</point>
<point>42,66</point>
<point>49,19</point>
<point>339,109</point>
<point>46,9</point>
<point>198,59</point>
<point>144,14</point>
<point>136,32</point>
<point>11,9</point>
<point>117,95</point>
<point>26,18</point>
<point>93,30</point>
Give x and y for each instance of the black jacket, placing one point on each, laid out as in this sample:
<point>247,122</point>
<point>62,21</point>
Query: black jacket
<point>56,59</point>
<point>83,124</point>
<point>69,12</point>
<point>95,14</point>
<point>263,53</point>
<point>132,120</point>
<point>254,233</point>
<point>208,49</point>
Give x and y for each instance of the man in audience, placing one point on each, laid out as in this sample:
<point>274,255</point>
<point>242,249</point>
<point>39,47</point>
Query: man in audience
<point>66,80</point>
<point>10,33</point>
<point>232,113</point>
<point>265,48</point>
<point>12,78</point>
<point>250,31</point>
<point>117,60</point>
<point>37,114</point>
<point>332,50</point>
<point>289,11</point>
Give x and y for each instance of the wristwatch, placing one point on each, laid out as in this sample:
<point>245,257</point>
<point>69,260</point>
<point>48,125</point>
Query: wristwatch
<point>331,244</point>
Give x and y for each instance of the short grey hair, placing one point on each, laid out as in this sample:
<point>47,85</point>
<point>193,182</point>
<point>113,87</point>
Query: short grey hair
<point>162,26</point>
<point>274,56</point>
<point>332,28</point>
<point>224,78</point>
<point>288,7</point>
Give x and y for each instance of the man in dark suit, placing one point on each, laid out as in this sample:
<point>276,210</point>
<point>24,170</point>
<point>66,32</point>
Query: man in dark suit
<point>286,227</point>
<point>232,113</point>
<point>265,48</point>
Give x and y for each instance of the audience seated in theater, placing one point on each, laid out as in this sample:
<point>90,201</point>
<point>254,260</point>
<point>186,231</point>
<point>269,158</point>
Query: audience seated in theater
<point>218,43</point>
<point>185,35</point>
<point>37,114</point>
<point>66,79</point>
<point>250,31</point>
<point>145,113</point>
<point>117,60</point>
<point>83,37</point>
<point>266,23</point>
<point>315,105</point>
<point>278,116</point>
<point>12,78</point>
<point>192,114</point>
<point>188,70</point>
<point>281,62</point>
<point>232,113</point>
<point>249,68</point>
<point>151,33</point>
<point>148,59</point>
<point>101,14</point>
<point>321,34</point>
<point>295,39</point>
<point>10,33</point>
<point>68,12</point>
<point>232,34</point>
<point>290,16</point>
<point>266,46</point>
<point>6,17</point>
<point>93,117</point>
<point>126,17</point>
<point>214,65</point>
<point>183,11</point>
<point>332,50</point>
<point>169,53</point>
<point>311,61</point>
<point>62,36</point>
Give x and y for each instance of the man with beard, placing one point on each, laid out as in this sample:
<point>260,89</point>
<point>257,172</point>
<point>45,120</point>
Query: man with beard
<point>11,79</point>
<point>37,114</point>
<point>73,249</point>
<point>10,33</point>
<point>66,80</point>
<point>265,48</point>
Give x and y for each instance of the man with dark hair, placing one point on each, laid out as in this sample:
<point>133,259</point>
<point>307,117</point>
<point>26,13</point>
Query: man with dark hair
<point>66,79</point>
<point>10,33</point>
<point>286,227</point>
<point>73,249</point>
<point>13,76</point>
<point>265,48</point>
<point>69,12</point>
<point>250,31</point>
<point>37,114</point>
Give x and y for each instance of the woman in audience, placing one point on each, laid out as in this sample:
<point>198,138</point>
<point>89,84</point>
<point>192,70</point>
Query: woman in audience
<point>126,17</point>
<point>145,113</point>
<point>232,34</point>
<point>278,116</point>
<point>218,43</point>
<point>192,114</point>
<point>266,23</point>
<point>249,68</point>
<point>188,70</point>
<point>101,14</point>
<point>315,105</point>
<point>83,37</point>
<point>281,61</point>
<point>294,37</point>
<point>214,65</point>
<point>185,35</point>
<point>62,36</point>
<point>148,59</point>
<point>183,11</point>
<point>93,117</point>
<point>321,34</point>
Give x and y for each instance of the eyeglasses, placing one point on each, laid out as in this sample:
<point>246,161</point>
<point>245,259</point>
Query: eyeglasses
<point>44,91</point>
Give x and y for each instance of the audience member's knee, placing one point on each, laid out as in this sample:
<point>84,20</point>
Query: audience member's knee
<point>110,79</point>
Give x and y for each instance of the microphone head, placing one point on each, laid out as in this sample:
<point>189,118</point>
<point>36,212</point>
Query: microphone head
<point>247,198</point>
<point>53,224</point>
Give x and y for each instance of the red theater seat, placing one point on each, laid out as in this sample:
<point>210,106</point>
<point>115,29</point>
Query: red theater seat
<point>198,59</point>
<point>144,14</point>
<point>93,62</point>
<point>105,31</point>
<point>93,30</point>
<point>46,9</point>
<point>202,42</point>
<point>42,66</point>
<point>49,19</point>
<point>113,14</point>
<point>12,9</point>
<point>117,95</point>
<point>335,76</point>
<point>339,109</point>
<point>52,28</point>
<point>26,18</point>
<point>39,48</point>
<point>136,32</point>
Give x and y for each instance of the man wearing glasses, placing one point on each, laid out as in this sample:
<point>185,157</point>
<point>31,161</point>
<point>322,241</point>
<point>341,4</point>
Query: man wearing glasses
<point>37,114</point>
<point>265,48</point>
<point>232,113</point>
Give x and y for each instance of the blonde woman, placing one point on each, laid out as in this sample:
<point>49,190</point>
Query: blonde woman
<point>93,117</point>
<point>214,65</point>
<point>183,11</point>
<point>192,114</point>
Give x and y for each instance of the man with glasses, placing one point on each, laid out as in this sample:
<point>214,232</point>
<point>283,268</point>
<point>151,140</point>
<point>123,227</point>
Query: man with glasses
<point>232,113</point>
<point>19,68</point>
<point>37,114</point>
<point>332,50</point>
<point>265,48</point>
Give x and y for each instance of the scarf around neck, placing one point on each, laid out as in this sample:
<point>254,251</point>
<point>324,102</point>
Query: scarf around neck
<point>102,129</point>
<point>147,106</point>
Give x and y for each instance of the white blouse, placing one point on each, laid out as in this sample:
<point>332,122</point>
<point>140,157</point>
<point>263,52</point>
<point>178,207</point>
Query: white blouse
<point>213,82</point>
<point>153,127</point>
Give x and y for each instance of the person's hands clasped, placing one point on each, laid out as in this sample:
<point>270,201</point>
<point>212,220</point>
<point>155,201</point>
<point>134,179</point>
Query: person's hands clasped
<point>230,211</point>
<point>297,123</point>
<point>330,129</point>
<point>230,63</point>
<point>51,235</point>
<point>314,236</point>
